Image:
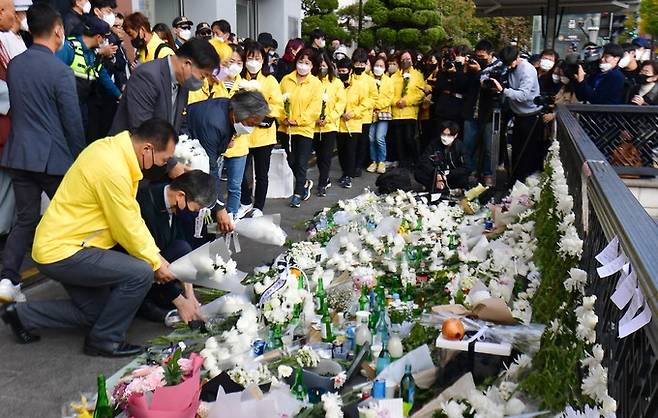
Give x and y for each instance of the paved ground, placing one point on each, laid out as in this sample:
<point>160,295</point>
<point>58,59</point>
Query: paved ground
<point>38,379</point>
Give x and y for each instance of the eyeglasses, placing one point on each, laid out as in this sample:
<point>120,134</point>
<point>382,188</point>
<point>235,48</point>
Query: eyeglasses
<point>185,27</point>
<point>205,33</point>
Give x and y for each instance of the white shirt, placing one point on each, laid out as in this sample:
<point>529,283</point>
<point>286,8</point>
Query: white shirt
<point>167,205</point>
<point>13,43</point>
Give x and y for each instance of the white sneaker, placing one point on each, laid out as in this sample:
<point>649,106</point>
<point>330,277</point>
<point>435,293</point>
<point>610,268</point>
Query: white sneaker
<point>256,213</point>
<point>244,209</point>
<point>10,292</point>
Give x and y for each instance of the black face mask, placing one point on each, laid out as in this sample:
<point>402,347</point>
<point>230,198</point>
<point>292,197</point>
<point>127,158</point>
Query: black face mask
<point>156,172</point>
<point>430,67</point>
<point>344,77</point>
<point>643,78</point>
<point>138,43</point>
<point>359,70</point>
<point>482,63</point>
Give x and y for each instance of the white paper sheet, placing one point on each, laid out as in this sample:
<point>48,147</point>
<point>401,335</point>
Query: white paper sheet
<point>636,304</point>
<point>264,229</point>
<point>612,267</point>
<point>625,290</point>
<point>420,359</point>
<point>609,253</point>
<point>636,323</point>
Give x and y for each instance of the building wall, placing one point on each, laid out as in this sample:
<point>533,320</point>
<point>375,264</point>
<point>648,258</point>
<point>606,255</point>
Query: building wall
<point>281,18</point>
<point>210,10</point>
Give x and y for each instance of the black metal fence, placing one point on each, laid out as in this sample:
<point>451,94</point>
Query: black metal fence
<point>606,208</point>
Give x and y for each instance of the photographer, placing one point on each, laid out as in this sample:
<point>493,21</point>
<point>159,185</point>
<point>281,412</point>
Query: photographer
<point>527,148</point>
<point>448,92</point>
<point>477,110</point>
<point>548,84</point>
<point>607,86</point>
<point>565,71</point>
<point>443,165</point>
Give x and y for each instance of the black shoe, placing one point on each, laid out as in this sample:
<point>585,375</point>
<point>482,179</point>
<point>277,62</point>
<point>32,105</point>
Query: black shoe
<point>347,183</point>
<point>152,312</point>
<point>112,349</point>
<point>10,317</point>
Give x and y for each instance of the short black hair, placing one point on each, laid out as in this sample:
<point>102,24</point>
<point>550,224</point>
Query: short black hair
<point>223,25</point>
<point>198,187</point>
<point>42,19</point>
<point>508,54</point>
<point>99,4</point>
<point>453,127</point>
<point>484,45</point>
<point>344,63</point>
<point>359,55</point>
<point>550,52</point>
<point>629,47</point>
<point>202,54</point>
<point>254,47</point>
<point>156,131</point>
<point>317,33</point>
<point>324,57</point>
<point>613,49</point>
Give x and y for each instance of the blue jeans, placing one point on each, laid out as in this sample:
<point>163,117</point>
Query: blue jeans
<point>234,172</point>
<point>476,133</point>
<point>377,136</point>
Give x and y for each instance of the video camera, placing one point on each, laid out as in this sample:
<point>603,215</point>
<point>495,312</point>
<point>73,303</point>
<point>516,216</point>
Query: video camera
<point>546,101</point>
<point>499,74</point>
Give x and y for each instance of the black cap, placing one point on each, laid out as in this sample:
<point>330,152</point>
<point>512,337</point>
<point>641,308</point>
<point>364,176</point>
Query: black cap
<point>93,26</point>
<point>266,40</point>
<point>203,26</point>
<point>181,20</point>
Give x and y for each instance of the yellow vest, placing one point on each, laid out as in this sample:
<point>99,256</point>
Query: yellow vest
<point>148,54</point>
<point>413,95</point>
<point>358,102</point>
<point>96,206</point>
<point>206,92</point>
<point>334,104</point>
<point>304,104</point>
<point>261,137</point>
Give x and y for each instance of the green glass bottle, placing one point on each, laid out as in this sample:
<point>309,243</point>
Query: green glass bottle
<point>364,300</point>
<point>103,408</point>
<point>407,390</point>
<point>298,390</point>
<point>320,295</point>
<point>327,333</point>
<point>298,308</point>
<point>373,319</point>
<point>383,360</point>
<point>277,338</point>
<point>452,243</point>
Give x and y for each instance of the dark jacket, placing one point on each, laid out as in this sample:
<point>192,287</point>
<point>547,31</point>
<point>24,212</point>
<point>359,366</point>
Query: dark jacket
<point>650,98</point>
<point>284,68</point>
<point>148,95</point>
<point>451,159</point>
<point>46,133</point>
<point>602,88</point>
<point>448,95</point>
<point>72,23</point>
<point>154,212</point>
<point>208,121</point>
<point>547,86</point>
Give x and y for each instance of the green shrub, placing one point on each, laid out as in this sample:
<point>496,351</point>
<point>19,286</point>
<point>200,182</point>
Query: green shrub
<point>423,4</point>
<point>419,19</point>
<point>401,3</point>
<point>327,6</point>
<point>408,37</point>
<point>370,6</point>
<point>367,38</point>
<point>433,36</point>
<point>387,36</point>
<point>400,15</point>
<point>380,17</point>
<point>432,17</point>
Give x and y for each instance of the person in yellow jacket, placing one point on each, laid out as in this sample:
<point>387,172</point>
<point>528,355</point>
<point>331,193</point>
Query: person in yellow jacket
<point>263,138</point>
<point>302,104</point>
<point>147,43</point>
<point>360,74</point>
<point>408,94</point>
<point>94,211</point>
<point>357,104</point>
<point>326,127</point>
<point>381,116</point>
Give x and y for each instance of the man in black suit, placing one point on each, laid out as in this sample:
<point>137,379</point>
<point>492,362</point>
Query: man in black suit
<point>159,88</point>
<point>161,206</point>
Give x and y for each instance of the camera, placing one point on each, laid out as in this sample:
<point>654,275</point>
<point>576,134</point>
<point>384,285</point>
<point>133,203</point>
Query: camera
<point>544,100</point>
<point>499,74</point>
<point>448,65</point>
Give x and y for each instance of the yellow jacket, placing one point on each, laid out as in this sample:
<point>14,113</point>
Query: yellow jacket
<point>95,206</point>
<point>358,102</point>
<point>305,104</point>
<point>148,54</point>
<point>334,98</point>
<point>223,49</point>
<point>240,147</point>
<point>413,95</point>
<point>372,89</point>
<point>384,94</point>
<point>261,137</point>
<point>206,92</point>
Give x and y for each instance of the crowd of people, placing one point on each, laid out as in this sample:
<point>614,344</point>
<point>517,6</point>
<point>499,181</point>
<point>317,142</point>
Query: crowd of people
<point>96,132</point>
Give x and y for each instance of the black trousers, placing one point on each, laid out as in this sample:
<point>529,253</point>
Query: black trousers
<point>259,159</point>
<point>164,294</point>
<point>324,146</point>
<point>406,141</point>
<point>347,146</point>
<point>528,150</point>
<point>28,186</point>
<point>299,152</point>
<point>363,148</point>
<point>101,109</point>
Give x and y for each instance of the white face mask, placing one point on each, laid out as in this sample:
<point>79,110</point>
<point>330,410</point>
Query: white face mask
<point>605,67</point>
<point>564,80</point>
<point>242,129</point>
<point>556,78</point>
<point>185,34</point>
<point>392,69</point>
<point>254,66</point>
<point>109,19</point>
<point>303,69</point>
<point>24,26</point>
<point>234,69</point>
<point>378,71</point>
<point>86,8</point>
<point>643,54</point>
<point>546,64</point>
<point>61,43</point>
<point>447,139</point>
<point>321,43</point>
<point>623,63</point>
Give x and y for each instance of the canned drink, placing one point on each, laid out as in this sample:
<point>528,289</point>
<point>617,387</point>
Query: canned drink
<point>259,347</point>
<point>350,332</point>
<point>488,225</point>
<point>379,389</point>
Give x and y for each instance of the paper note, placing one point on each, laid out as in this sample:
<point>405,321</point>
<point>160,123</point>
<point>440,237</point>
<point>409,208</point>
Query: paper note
<point>625,290</point>
<point>636,323</point>
<point>636,304</point>
<point>609,253</point>
<point>612,267</point>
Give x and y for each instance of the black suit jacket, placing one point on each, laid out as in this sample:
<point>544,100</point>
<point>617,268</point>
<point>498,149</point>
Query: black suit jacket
<point>148,95</point>
<point>155,215</point>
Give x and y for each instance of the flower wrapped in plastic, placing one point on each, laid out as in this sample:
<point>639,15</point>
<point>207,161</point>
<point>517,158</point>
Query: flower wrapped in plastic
<point>191,153</point>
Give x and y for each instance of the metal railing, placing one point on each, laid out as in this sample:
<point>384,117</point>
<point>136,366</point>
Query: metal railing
<point>606,208</point>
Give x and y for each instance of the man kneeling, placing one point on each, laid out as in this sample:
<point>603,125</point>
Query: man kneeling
<point>93,211</point>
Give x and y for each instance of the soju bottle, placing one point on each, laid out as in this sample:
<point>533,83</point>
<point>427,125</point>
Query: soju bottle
<point>382,328</point>
<point>320,295</point>
<point>407,390</point>
<point>298,308</point>
<point>452,243</point>
<point>103,408</point>
<point>298,390</point>
<point>383,360</point>
<point>327,333</point>
<point>364,300</point>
